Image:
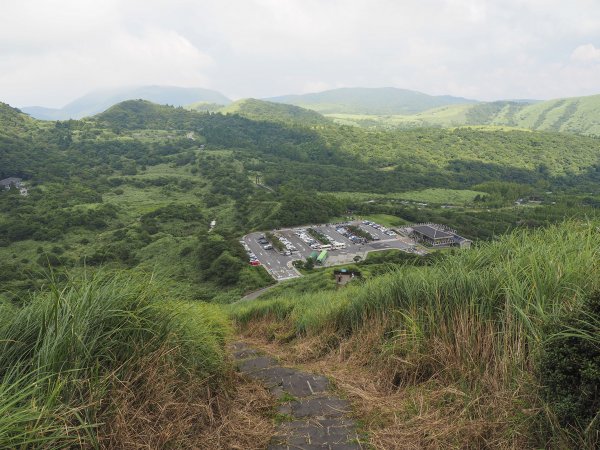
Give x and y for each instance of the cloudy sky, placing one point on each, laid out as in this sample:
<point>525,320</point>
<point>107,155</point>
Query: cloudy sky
<point>52,51</point>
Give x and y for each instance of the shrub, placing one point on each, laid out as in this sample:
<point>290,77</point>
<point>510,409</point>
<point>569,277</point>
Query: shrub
<point>225,270</point>
<point>570,367</point>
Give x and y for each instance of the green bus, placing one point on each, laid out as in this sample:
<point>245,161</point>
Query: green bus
<point>322,257</point>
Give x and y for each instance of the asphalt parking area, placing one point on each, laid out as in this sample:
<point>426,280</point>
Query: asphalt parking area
<point>280,266</point>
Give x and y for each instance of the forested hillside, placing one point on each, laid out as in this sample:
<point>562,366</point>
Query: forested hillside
<point>274,112</point>
<point>138,185</point>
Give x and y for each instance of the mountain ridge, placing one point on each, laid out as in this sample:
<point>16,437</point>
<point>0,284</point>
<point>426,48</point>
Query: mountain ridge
<point>100,100</point>
<point>359,100</point>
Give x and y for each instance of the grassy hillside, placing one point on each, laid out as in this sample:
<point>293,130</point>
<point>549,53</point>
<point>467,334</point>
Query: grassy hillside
<point>452,354</point>
<point>580,115</point>
<point>100,361</point>
<point>456,149</point>
<point>369,101</point>
<point>435,195</point>
<point>14,122</point>
<point>574,115</point>
<point>275,112</point>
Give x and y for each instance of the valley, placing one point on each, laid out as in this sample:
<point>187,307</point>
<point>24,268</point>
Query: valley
<point>300,225</point>
<point>461,246</point>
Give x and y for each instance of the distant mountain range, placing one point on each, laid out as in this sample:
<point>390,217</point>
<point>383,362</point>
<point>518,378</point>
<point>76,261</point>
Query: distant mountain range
<point>98,101</point>
<point>386,100</point>
<point>364,107</point>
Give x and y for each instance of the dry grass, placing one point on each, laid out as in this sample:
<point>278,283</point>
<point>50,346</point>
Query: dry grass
<point>411,395</point>
<point>155,407</point>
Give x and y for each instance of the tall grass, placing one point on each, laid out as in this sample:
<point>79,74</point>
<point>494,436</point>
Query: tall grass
<point>515,282</point>
<point>475,316</point>
<point>67,349</point>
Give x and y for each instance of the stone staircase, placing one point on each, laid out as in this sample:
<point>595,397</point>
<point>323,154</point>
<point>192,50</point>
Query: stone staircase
<point>309,416</point>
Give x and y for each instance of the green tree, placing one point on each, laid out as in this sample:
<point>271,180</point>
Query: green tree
<point>225,270</point>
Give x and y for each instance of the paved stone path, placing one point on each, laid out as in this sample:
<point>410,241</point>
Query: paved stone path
<point>311,417</point>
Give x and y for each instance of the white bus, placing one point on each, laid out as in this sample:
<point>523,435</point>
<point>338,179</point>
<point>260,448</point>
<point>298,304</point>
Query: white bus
<point>338,245</point>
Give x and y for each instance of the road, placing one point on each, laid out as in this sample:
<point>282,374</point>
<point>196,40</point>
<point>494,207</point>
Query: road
<point>254,295</point>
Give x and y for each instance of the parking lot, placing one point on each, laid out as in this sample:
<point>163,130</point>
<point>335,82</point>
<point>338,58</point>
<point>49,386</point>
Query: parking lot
<point>300,243</point>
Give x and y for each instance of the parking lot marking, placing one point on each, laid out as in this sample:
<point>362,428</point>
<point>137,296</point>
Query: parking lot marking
<point>280,268</point>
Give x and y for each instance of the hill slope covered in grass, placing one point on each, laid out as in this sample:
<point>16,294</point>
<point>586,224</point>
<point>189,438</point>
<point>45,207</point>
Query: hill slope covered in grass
<point>458,353</point>
<point>104,361</point>
<point>369,101</point>
<point>579,115</point>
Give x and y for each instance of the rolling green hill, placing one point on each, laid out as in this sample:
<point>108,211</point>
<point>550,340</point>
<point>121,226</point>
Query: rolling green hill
<point>369,101</point>
<point>579,115</point>
<point>275,112</point>
<point>574,115</point>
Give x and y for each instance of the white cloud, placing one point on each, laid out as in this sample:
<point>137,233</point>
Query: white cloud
<point>51,52</point>
<point>586,53</point>
<point>152,57</point>
<point>316,86</point>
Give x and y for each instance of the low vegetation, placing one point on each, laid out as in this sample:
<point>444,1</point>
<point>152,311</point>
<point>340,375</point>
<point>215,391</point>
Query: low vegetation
<point>275,112</point>
<point>358,231</point>
<point>275,242</point>
<point>318,236</point>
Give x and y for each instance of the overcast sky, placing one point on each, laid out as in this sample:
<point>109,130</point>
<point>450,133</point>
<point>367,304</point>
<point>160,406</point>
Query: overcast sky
<point>52,51</point>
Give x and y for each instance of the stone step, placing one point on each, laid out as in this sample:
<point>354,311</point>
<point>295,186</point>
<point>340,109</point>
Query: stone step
<point>319,420</point>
